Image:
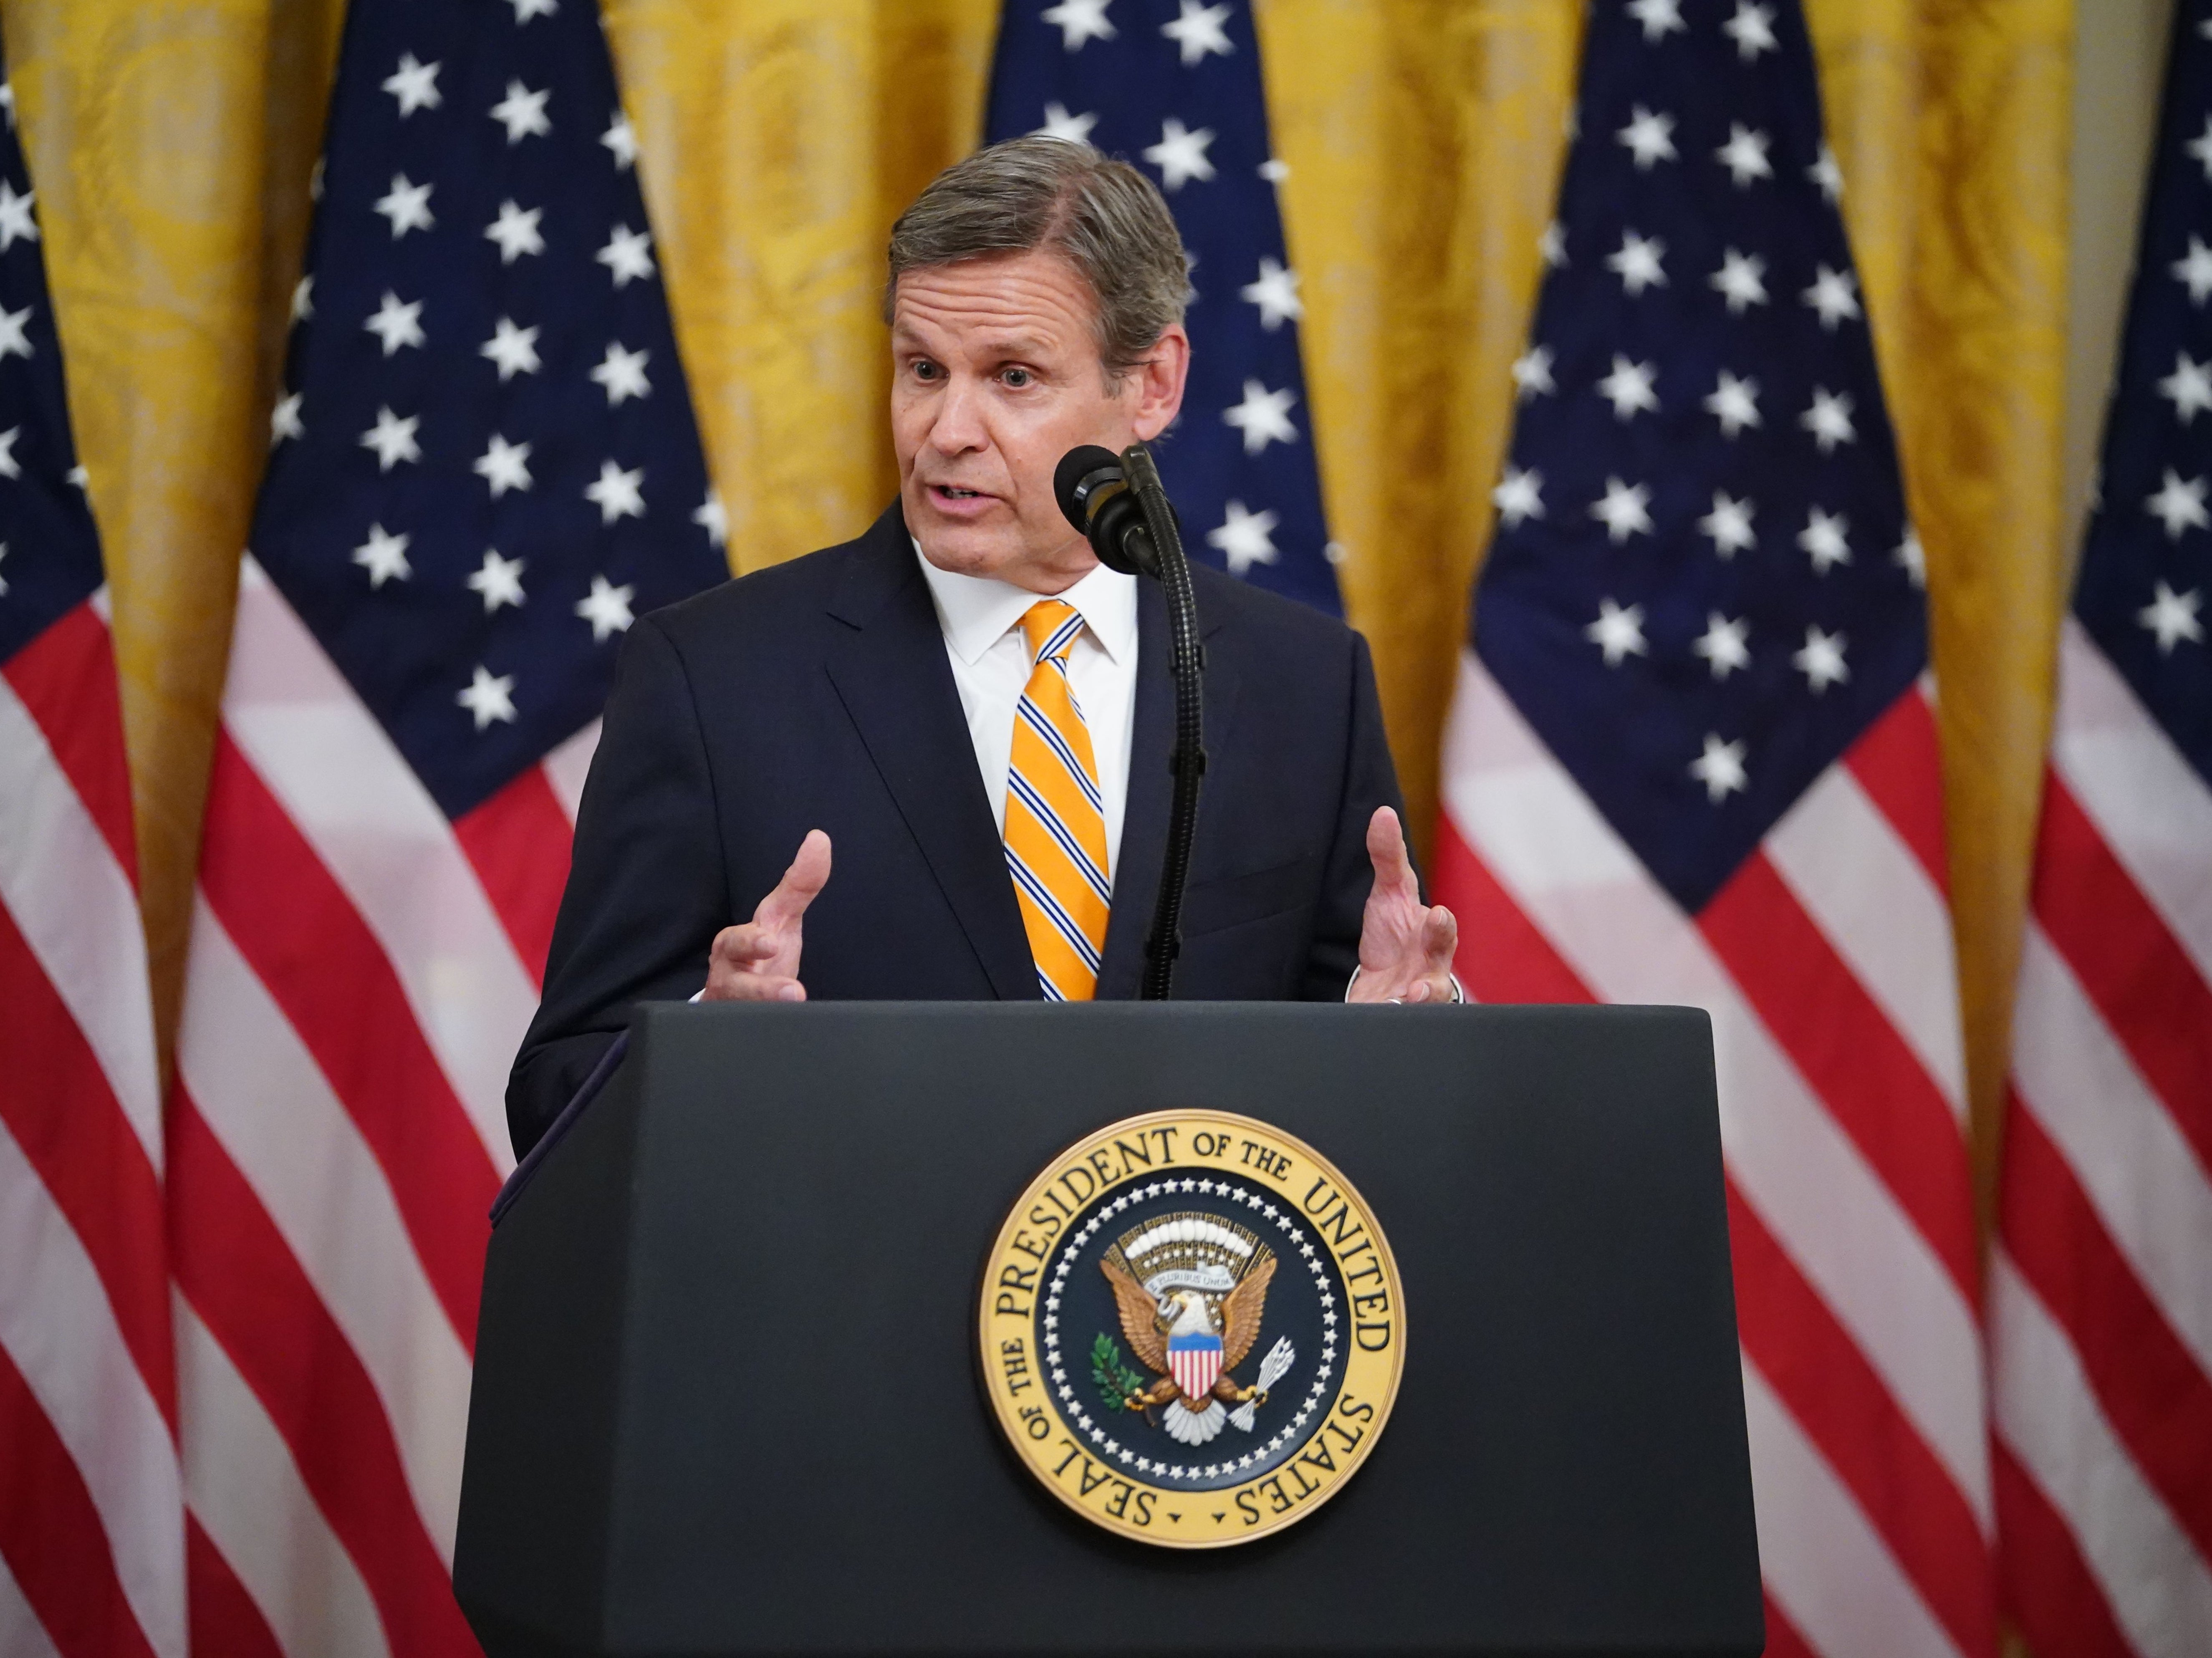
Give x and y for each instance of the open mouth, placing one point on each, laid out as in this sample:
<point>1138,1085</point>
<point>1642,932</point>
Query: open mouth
<point>951,493</point>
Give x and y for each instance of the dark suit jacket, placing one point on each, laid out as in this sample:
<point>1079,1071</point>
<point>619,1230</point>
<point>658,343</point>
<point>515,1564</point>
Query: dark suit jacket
<point>817,695</point>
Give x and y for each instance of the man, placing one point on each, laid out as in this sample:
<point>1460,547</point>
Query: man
<point>931,762</point>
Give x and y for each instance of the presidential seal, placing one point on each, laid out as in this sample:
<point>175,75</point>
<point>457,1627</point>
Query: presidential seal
<point>1192,1329</point>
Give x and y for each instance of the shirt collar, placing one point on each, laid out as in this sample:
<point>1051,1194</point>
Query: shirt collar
<point>976,611</point>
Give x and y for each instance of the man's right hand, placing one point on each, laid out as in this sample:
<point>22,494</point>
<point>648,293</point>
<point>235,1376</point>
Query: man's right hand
<point>758,962</point>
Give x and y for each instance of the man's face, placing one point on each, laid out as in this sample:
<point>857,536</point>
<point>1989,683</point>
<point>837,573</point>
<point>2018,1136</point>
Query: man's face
<point>995,375</point>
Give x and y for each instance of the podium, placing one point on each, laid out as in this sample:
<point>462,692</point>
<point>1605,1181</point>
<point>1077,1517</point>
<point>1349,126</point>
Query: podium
<point>727,1398</point>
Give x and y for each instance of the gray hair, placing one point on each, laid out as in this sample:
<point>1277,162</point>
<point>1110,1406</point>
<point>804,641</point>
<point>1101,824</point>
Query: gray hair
<point>1103,216</point>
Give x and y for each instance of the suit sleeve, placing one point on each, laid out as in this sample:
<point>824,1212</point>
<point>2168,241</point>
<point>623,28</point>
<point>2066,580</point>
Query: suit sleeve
<point>1369,780</point>
<point>648,889</point>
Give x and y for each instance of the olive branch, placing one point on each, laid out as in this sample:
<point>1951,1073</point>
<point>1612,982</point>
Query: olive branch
<point>1117,1382</point>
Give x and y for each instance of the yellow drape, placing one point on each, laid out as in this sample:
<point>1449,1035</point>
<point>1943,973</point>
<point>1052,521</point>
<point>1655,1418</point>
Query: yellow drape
<point>171,141</point>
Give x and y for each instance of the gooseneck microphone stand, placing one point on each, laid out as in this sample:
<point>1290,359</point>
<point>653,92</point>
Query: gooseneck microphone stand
<point>1122,506</point>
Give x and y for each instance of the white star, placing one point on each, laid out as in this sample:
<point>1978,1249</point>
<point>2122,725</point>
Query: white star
<point>1729,525</point>
<point>2178,504</point>
<point>1744,155</point>
<point>1518,496</point>
<point>303,299</point>
<point>396,325</point>
<point>621,140</point>
<point>1822,660</point>
<point>1244,538</point>
<point>15,221</point>
<point>14,341</point>
<point>606,608</point>
<point>499,580</point>
<point>1071,129</point>
<point>2195,267</point>
<point>622,373</point>
<point>522,112</point>
<point>1734,403</point>
<point>516,232</point>
<point>1274,172</point>
<point>78,477</point>
<point>1659,18</point>
<point>1752,29</point>
<point>618,494</point>
<point>1079,21</point>
<point>1552,246</point>
<point>490,697</point>
<point>1722,644</point>
<point>1624,509</point>
<point>392,438</point>
<point>2172,617</point>
<point>1829,419</point>
<point>527,9</point>
<point>8,104</point>
<point>2201,148</point>
<point>1181,154</point>
<point>1198,30</point>
<point>1910,557</point>
<point>1831,295</point>
<point>1628,388</point>
<point>503,466</point>
<point>1826,539</point>
<point>1739,279</point>
<point>9,466</point>
<point>1720,768</point>
<point>415,85</point>
<point>2189,387</point>
<point>1532,373</point>
<point>1264,416</point>
<point>514,350</point>
<point>1648,138</point>
<point>713,517</point>
<point>1638,263</point>
<point>384,556</point>
<point>408,206</point>
<point>1276,293</point>
<point>3,546</point>
<point>1826,173</point>
<point>627,254</point>
<point>1618,632</point>
<point>284,421</point>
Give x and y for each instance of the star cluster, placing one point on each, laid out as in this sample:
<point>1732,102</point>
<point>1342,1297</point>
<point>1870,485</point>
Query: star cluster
<point>484,464</point>
<point>1702,585</point>
<point>1173,87</point>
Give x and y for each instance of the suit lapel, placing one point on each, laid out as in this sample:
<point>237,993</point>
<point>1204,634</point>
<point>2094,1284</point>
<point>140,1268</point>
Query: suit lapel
<point>1144,815</point>
<point>891,672</point>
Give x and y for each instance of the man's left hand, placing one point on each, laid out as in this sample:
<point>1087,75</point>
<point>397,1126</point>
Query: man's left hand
<point>1405,945</point>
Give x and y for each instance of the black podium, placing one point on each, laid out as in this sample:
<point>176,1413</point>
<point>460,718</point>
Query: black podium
<point>726,1396</point>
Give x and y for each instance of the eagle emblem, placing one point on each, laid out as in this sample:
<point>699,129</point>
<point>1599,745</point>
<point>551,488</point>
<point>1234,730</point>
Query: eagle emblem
<point>1192,1290</point>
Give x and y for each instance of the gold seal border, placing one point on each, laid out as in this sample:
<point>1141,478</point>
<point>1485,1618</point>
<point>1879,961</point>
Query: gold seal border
<point>1008,1407</point>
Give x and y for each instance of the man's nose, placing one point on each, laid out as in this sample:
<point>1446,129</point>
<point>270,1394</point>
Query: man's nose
<point>958,428</point>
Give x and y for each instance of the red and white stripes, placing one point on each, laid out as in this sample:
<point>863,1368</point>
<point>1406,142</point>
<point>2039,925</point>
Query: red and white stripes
<point>361,973</point>
<point>1826,965</point>
<point>92,1545</point>
<point>2100,1293</point>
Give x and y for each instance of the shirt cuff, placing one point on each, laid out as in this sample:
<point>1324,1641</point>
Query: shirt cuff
<point>1459,990</point>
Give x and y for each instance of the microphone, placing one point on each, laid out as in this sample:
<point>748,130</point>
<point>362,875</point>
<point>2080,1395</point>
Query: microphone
<point>1118,503</point>
<point>1093,491</point>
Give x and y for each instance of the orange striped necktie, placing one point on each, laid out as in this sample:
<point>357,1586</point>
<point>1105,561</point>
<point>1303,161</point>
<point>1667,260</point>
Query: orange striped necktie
<point>1055,816</point>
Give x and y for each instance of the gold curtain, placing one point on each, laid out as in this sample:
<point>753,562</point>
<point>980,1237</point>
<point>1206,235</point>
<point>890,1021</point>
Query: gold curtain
<point>171,141</point>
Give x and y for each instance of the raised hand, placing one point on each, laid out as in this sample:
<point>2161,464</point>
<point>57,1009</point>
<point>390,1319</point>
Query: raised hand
<point>758,960</point>
<point>1405,945</point>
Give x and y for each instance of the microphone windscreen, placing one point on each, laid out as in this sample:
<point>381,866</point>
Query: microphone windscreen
<point>1076,466</point>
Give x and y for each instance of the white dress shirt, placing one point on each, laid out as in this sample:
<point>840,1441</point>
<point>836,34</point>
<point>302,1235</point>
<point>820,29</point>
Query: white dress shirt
<point>991,664</point>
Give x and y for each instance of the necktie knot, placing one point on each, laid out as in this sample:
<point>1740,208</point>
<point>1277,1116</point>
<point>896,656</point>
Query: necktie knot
<point>1050,626</point>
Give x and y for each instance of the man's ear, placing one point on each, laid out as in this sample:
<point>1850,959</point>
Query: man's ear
<point>1157,382</point>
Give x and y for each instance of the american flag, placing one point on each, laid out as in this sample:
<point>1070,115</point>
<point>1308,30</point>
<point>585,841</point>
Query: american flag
<point>1691,759</point>
<point>483,466</point>
<point>2101,1286</point>
<point>92,1541</point>
<point>1174,88</point>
